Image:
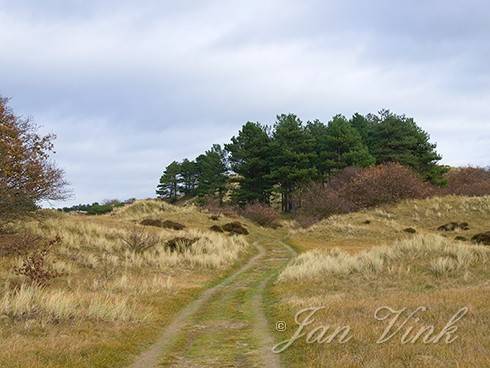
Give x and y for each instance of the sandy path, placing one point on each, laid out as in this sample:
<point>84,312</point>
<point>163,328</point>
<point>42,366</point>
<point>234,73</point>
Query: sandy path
<point>226,324</point>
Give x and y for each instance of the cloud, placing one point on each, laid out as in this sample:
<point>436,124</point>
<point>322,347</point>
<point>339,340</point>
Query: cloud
<point>129,88</point>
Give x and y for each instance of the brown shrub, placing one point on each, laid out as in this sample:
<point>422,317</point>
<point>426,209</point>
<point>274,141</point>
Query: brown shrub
<point>383,184</point>
<point>151,222</point>
<point>235,227</point>
<point>18,244</point>
<point>216,208</point>
<point>168,224</point>
<point>261,214</point>
<point>481,238</point>
<point>35,268</point>
<point>353,189</point>
<point>216,228</point>
<point>468,181</point>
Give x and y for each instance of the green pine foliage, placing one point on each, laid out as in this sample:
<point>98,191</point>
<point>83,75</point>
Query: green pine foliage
<point>250,158</point>
<point>262,161</point>
<point>343,146</point>
<point>397,138</point>
<point>169,182</point>
<point>292,157</point>
<point>213,173</point>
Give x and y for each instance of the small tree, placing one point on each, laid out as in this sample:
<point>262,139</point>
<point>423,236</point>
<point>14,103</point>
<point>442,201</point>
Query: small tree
<point>250,159</point>
<point>189,177</point>
<point>397,138</point>
<point>27,176</point>
<point>292,157</point>
<point>343,146</point>
<point>213,173</point>
<point>169,182</point>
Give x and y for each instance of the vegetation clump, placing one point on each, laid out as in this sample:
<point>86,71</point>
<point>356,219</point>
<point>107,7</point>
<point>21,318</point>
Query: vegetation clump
<point>451,226</point>
<point>151,222</point>
<point>97,208</point>
<point>168,224</point>
<point>261,214</point>
<point>216,228</point>
<point>482,238</point>
<point>235,227</point>
<point>467,181</point>
<point>35,267</point>
<point>353,189</point>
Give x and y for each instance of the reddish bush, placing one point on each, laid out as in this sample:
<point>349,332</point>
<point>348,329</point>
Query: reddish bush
<point>384,184</point>
<point>35,267</point>
<point>469,181</point>
<point>216,208</point>
<point>261,214</point>
<point>353,189</point>
<point>321,200</point>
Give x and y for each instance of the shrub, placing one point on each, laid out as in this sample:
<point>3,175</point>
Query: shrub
<point>235,227</point>
<point>382,184</point>
<point>35,267</point>
<point>261,214</point>
<point>217,208</point>
<point>353,189</point>
<point>468,181</point>
<point>168,224</point>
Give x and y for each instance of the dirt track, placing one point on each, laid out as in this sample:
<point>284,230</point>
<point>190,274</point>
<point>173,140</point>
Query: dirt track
<point>226,325</point>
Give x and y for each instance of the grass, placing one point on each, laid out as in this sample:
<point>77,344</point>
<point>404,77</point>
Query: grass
<point>433,253</point>
<point>110,301</point>
<point>352,268</point>
<point>356,231</point>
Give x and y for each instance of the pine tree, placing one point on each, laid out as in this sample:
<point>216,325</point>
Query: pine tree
<point>169,182</point>
<point>292,157</point>
<point>317,131</point>
<point>250,159</point>
<point>396,138</point>
<point>343,146</point>
<point>213,173</point>
<point>189,177</point>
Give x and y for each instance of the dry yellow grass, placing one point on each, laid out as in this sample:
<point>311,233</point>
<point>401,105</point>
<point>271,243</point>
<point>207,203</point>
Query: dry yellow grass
<point>113,293</point>
<point>436,253</point>
<point>352,268</point>
<point>356,231</point>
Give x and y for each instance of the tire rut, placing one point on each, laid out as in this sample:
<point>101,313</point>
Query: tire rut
<point>250,275</point>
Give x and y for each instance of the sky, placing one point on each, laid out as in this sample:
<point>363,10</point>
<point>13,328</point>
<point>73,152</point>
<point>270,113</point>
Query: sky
<point>129,86</point>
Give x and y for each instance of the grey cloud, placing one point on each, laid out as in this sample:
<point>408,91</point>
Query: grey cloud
<point>129,88</point>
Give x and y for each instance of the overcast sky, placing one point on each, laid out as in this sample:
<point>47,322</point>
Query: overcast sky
<point>129,86</point>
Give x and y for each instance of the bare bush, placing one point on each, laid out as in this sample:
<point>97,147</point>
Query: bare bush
<point>261,214</point>
<point>382,184</point>
<point>35,267</point>
<point>138,240</point>
<point>217,208</point>
<point>468,181</point>
<point>353,189</point>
